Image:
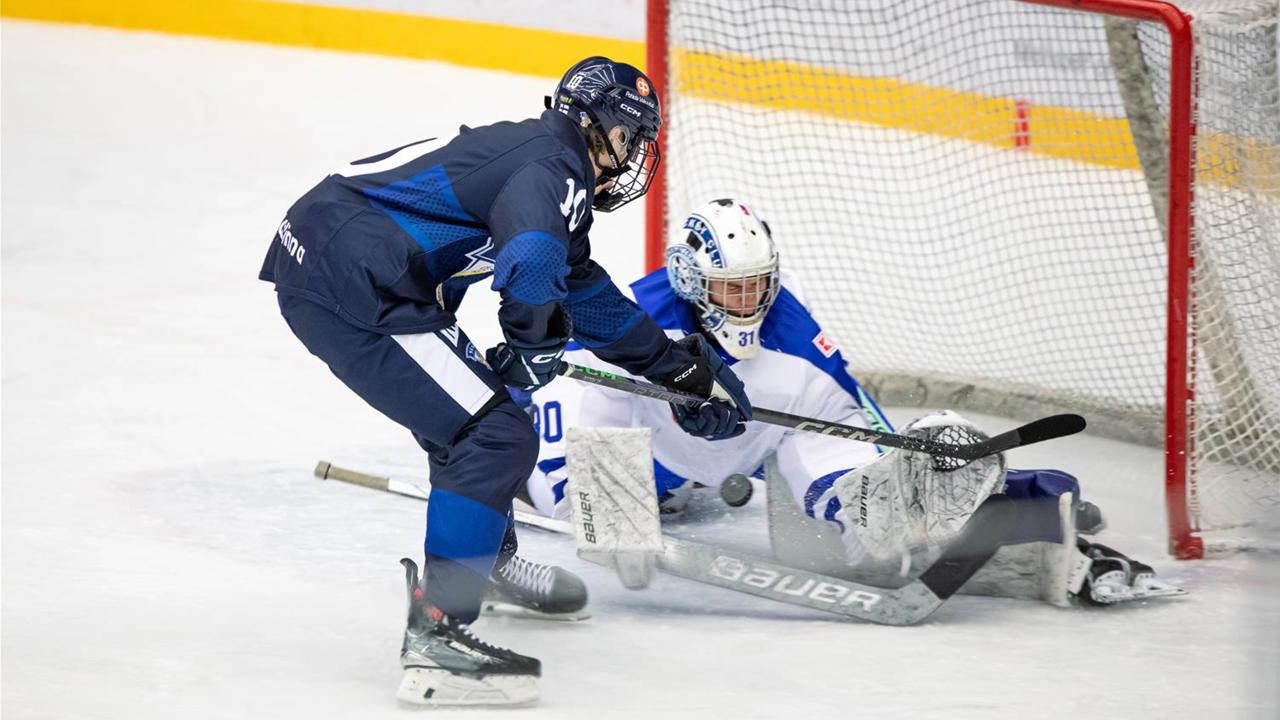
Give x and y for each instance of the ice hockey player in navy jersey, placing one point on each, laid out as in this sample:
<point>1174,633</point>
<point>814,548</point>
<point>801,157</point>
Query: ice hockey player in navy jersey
<point>369,267</point>
<point>722,281</point>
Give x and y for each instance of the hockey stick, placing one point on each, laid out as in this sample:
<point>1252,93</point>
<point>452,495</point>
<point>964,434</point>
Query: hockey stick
<point>742,573</point>
<point>326,471</point>
<point>1046,428</point>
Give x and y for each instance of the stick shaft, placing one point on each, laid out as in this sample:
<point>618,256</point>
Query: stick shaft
<point>1042,429</point>
<point>327,471</point>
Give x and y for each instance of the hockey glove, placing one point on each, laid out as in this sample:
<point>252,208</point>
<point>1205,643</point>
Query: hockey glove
<point>727,409</point>
<point>530,365</point>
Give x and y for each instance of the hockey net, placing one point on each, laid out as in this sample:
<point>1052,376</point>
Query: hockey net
<point>988,201</point>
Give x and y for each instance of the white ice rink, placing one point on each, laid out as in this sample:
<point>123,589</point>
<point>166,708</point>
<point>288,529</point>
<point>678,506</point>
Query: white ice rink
<point>167,554</point>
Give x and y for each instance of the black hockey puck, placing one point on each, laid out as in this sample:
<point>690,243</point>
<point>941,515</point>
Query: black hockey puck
<point>736,490</point>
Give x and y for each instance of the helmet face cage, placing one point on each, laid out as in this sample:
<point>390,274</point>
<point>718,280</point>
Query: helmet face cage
<point>742,296</point>
<point>630,178</point>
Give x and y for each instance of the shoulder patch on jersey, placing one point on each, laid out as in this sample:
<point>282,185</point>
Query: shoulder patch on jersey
<point>825,346</point>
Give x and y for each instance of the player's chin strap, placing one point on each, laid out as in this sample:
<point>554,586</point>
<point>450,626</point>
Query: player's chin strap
<point>1046,428</point>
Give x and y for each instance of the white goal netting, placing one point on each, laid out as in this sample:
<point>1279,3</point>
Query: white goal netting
<point>974,194</point>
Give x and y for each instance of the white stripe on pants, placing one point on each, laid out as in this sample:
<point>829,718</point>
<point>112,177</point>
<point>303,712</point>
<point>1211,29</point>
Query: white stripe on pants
<point>433,354</point>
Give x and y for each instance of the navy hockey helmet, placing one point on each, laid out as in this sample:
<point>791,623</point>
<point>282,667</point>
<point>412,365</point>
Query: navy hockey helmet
<point>600,95</point>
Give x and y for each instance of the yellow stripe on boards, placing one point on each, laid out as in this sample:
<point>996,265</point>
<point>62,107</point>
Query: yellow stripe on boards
<point>1047,130</point>
<point>1051,131</point>
<point>463,42</point>
<point>888,102</point>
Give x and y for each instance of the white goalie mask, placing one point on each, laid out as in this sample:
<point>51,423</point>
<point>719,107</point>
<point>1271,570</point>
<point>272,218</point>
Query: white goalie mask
<point>723,262</point>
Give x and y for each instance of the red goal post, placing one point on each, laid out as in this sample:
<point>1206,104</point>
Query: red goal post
<point>1176,133</point>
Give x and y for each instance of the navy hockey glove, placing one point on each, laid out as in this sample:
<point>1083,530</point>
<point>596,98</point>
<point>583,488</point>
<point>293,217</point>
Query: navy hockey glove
<point>725,413</point>
<point>530,365</point>
<point>526,366</point>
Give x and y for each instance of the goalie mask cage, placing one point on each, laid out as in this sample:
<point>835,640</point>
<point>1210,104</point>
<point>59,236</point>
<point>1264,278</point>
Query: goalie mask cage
<point>1014,207</point>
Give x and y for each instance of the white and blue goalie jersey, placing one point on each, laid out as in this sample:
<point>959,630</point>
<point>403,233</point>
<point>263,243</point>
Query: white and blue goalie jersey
<point>798,370</point>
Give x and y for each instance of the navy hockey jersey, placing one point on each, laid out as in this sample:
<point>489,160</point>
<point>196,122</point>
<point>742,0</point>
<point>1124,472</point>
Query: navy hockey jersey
<point>391,242</point>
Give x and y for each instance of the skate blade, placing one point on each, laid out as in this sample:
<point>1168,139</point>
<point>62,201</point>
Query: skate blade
<point>499,608</point>
<point>1154,593</point>
<point>1129,596</point>
<point>434,687</point>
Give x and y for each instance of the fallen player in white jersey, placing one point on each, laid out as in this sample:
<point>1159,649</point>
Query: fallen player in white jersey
<point>892,511</point>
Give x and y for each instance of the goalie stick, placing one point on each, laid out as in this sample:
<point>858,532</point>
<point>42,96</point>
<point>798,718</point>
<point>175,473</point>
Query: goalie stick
<point>742,573</point>
<point>1046,428</point>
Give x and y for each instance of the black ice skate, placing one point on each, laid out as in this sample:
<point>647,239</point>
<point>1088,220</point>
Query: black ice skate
<point>521,588</point>
<point>446,665</point>
<point>1115,578</point>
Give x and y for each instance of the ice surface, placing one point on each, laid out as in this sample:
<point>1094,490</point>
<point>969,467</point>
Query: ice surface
<point>167,554</point>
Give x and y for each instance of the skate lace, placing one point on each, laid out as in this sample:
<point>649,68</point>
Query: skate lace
<point>465,630</point>
<point>528,575</point>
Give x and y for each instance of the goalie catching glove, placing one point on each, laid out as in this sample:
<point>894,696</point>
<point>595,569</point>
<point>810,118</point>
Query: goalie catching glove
<point>726,410</point>
<point>907,502</point>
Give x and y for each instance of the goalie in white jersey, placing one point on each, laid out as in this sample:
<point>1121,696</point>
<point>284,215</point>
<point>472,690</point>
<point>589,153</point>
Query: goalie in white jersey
<point>756,317</point>
<point>722,281</point>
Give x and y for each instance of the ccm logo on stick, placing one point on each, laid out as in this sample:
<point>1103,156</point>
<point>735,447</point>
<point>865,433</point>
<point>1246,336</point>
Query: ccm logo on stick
<point>826,429</point>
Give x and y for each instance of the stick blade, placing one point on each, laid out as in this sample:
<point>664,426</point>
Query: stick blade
<point>1048,428</point>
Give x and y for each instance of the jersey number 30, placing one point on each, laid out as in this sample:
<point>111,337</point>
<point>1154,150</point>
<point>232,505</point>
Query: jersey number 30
<point>546,421</point>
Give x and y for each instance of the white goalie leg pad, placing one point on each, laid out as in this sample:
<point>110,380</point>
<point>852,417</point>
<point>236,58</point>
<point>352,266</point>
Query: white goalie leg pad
<point>614,501</point>
<point>906,502</point>
<point>1048,571</point>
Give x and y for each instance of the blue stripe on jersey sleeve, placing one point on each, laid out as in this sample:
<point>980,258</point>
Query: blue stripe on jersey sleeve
<point>464,531</point>
<point>426,208</point>
<point>601,314</point>
<point>531,268</point>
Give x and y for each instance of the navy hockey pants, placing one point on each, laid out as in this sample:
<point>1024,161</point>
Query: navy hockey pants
<point>1037,493</point>
<point>481,447</point>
